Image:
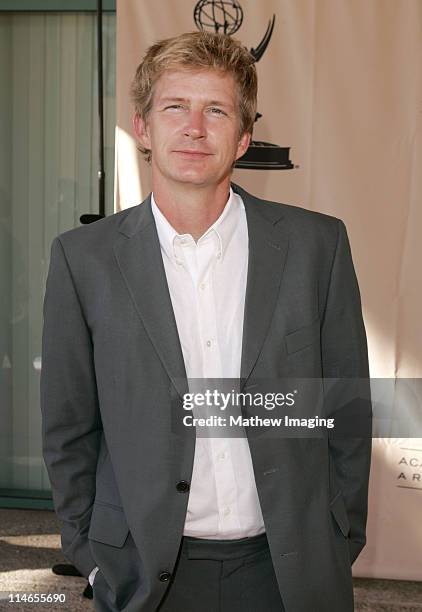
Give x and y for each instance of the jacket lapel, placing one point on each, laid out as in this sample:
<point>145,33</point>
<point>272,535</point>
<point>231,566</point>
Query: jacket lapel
<point>268,246</point>
<point>138,255</point>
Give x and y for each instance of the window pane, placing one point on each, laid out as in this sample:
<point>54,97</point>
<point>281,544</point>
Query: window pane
<point>48,178</point>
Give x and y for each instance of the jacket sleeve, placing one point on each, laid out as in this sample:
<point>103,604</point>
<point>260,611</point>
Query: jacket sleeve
<point>71,423</point>
<point>345,358</point>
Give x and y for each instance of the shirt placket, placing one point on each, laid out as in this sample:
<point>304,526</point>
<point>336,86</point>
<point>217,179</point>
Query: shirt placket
<point>208,253</point>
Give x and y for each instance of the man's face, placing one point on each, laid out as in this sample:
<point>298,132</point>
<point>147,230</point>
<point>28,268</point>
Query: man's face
<point>193,127</point>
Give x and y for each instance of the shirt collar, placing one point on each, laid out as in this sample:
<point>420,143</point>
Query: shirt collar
<point>223,228</point>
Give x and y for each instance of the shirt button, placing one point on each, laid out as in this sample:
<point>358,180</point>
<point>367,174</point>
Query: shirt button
<point>208,342</point>
<point>226,511</point>
<point>221,455</point>
<point>202,285</point>
<point>164,576</point>
<point>183,486</point>
<point>218,255</point>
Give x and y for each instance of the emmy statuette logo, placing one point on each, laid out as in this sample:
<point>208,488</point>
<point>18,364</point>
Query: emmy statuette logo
<point>226,17</point>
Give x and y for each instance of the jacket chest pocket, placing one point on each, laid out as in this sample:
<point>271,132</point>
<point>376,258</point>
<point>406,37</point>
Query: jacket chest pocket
<point>302,337</point>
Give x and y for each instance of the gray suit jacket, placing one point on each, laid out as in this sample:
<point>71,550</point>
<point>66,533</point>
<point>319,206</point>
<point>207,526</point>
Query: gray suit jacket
<point>113,374</point>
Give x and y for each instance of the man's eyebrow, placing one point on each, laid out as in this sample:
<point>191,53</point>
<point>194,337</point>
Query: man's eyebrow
<point>220,103</point>
<point>172,99</point>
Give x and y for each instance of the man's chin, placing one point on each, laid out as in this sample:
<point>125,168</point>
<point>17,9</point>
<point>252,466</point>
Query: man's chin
<point>196,176</point>
<point>193,178</point>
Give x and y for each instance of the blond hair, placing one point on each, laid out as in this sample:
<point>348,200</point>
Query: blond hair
<point>197,50</point>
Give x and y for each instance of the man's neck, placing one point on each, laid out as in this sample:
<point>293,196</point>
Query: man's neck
<point>191,209</point>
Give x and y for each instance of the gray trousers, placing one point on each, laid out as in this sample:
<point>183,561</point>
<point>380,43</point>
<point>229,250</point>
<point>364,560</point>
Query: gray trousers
<point>223,576</point>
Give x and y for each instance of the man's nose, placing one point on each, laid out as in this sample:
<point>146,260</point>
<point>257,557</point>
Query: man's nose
<point>195,126</point>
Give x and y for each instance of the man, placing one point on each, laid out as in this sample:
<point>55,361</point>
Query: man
<point>201,280</point>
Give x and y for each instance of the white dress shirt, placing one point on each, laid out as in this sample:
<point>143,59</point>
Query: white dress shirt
<point>207,284</point>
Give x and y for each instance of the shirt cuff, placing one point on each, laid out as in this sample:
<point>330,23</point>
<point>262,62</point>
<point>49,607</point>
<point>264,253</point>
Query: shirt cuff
<point>92,575</point>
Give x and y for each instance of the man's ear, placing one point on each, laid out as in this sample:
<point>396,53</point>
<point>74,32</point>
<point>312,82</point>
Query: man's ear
<point>140,127</point>
<point>243,145</point>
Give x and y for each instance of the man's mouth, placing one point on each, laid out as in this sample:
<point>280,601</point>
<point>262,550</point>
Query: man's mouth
<point>192,152</point>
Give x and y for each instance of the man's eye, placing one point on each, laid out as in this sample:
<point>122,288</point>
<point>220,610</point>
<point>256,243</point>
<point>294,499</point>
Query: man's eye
<point>175,106</point>
<point>217,111</point>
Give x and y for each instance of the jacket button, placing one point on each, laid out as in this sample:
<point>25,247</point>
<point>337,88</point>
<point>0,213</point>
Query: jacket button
<point>164,576</point>
<point>183,486</point>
